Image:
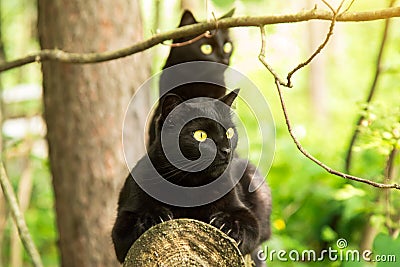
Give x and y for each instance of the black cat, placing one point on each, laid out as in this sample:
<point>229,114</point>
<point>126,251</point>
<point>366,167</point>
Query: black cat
<point>211,137</point>
<point>215,48</point>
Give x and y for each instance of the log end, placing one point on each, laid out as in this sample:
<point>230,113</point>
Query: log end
<point>184,242</point>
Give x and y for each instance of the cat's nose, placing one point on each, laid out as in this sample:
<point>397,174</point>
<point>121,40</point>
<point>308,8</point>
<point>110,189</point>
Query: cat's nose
<point>225,151</point>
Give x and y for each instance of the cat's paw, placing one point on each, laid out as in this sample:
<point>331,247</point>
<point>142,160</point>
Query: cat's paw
<point>240,225</point>
<point>129,226</point>
<point>148,219</point>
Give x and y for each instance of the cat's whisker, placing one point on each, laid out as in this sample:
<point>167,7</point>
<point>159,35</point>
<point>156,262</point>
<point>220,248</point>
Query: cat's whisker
<point>170,172</point>
<point>182,174</point>
<point>175,162</point>
<point>212,220</point>
<point>175,171</point>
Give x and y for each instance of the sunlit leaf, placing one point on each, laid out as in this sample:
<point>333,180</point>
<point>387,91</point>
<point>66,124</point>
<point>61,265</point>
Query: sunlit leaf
<point>347,192</point>
<point>328,234</point>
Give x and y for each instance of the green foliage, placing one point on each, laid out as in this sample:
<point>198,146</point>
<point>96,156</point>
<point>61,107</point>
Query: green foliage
<point>380,130</point>
<point>388,250</point>
<point>312,209</point>
<point>42,216</point>
<point>18,34</point>
<point>223,3</point>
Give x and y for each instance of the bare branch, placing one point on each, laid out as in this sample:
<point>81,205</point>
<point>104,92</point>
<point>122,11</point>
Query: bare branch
<point>262,56</point>
<point>319,49</point>
<point>389,170</point>
<point>19,218</point>
<point>329,6</point>
<point>318,162</point>
<point>278,83</point>
<point>349,6</point>
<point>371,92</point>
<point>389,173</point>
<point>288,82</point>
<point>196,29</point>
<point>188,42</point>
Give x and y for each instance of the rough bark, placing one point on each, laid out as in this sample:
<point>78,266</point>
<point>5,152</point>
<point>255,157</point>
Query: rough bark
<point>184,242</point>
<point>84,111</point>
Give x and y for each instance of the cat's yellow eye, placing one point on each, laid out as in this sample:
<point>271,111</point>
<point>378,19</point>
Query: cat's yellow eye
<point>206,49</point>
<point>230,133</point>
<point>200,135</point>
<point>227,47</point>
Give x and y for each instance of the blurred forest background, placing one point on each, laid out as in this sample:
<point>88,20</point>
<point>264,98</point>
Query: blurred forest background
<point>311,209</point>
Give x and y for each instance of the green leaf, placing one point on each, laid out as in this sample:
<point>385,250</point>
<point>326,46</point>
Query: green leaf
<point>223,3</point>
<point>385,247</point>
<point>378,220</point>
<point>328,234</point>
<point>229,14</point>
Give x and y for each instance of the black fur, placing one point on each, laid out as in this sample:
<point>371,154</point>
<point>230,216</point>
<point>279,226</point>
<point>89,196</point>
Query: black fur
<point>241,214</point>
<point>192,52</point>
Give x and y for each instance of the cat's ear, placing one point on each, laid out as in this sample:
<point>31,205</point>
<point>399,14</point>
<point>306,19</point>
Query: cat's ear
<point>187,19</point>
<point>229,14</point>
<point>170,101</point>
<point>229,98</point>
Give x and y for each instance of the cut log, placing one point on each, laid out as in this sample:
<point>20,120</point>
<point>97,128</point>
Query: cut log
<point>184,242</point>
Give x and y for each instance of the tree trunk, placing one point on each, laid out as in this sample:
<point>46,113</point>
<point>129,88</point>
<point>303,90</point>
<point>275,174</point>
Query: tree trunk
<point>84,112</point>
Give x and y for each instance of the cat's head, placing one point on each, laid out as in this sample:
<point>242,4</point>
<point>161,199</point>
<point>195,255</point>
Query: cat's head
<point>202,128</point>
<point>217,48</point>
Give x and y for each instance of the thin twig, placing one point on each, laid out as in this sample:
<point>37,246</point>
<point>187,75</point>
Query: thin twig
<point>318,162</point>
<point>389,173</point>
<point>389,170</point>
<point>262,56</point>
<point>329,6</point>
<point>340,7</point>
<point>188,42</point>
<point>278,84</point>
<point>23,231</point>
<point>349,6</point>
<point>371,93</point>
<point>319,49</point>
<point>195,29</point>
<point>207,34</point>
<point>288,82</point>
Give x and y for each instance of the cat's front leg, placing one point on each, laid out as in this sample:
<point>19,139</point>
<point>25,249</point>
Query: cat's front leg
<point>241,225</point>
<point>129,226</point>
